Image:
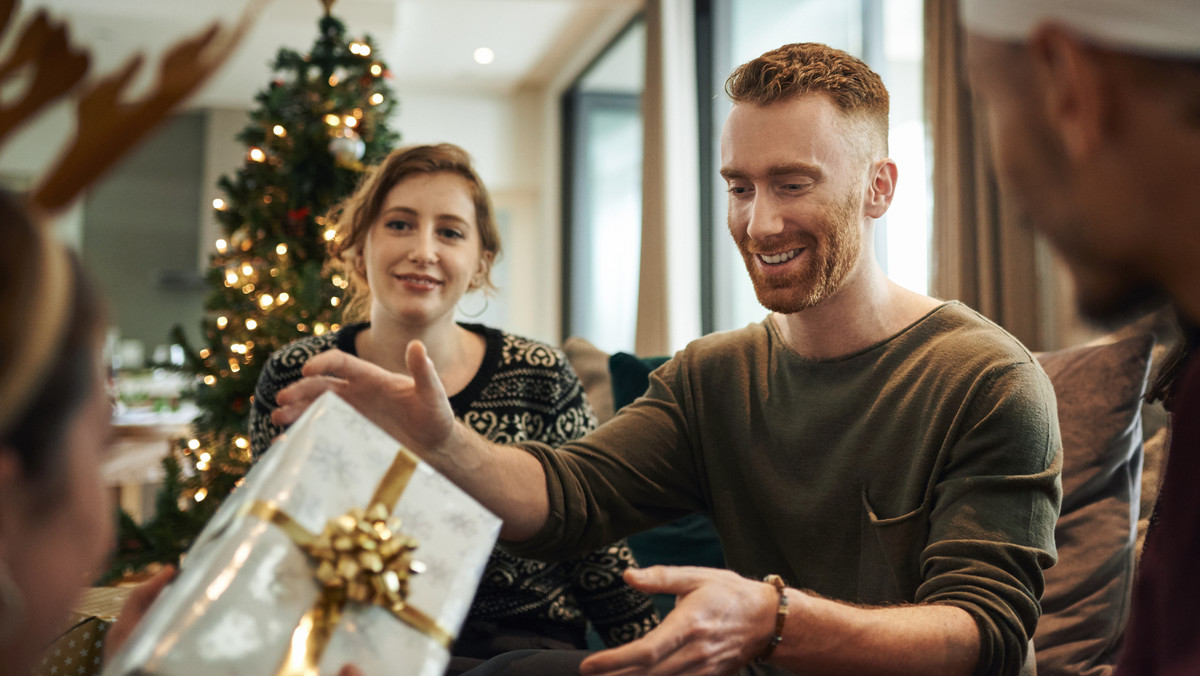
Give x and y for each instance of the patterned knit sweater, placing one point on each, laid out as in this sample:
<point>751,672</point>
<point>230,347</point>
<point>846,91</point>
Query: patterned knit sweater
<point>524,391</point>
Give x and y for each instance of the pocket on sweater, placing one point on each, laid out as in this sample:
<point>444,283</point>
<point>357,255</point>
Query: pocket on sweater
<point>889,568</point>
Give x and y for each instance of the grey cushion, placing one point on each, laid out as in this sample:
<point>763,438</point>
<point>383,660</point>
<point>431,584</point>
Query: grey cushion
<point>1085,605</point>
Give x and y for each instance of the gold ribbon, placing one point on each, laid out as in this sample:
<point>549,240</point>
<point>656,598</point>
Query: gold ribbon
<point>361,556</point>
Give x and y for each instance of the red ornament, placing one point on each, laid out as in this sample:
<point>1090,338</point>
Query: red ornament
<point>297,216</point>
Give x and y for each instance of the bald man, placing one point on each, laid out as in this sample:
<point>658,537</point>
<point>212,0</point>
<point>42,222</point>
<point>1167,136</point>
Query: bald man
<point>1094,112</point>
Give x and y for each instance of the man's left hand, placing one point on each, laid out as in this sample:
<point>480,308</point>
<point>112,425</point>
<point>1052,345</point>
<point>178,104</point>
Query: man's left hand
<point>721,622</point>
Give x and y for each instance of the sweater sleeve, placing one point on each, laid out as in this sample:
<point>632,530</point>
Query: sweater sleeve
<point>632,473</point>
<point>992,514</point>
<point>262,430</point>
<point>282,368</point>
<point>619,613</point>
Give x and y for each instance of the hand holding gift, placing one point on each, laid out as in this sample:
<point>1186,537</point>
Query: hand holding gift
<point>309,566</point>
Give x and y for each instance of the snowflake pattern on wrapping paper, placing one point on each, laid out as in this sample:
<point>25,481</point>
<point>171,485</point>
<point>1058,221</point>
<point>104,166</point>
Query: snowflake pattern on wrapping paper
<point>229,637</point>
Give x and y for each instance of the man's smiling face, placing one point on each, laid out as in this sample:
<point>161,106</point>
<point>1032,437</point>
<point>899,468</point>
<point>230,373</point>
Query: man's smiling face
<point>795,198</point>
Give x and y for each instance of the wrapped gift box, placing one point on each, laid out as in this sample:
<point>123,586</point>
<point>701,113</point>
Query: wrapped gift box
<point>248,590</point>
<point>79,651</point>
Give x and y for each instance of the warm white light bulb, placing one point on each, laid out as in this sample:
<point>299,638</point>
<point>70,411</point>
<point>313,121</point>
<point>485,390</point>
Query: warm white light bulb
<point>483,56</point>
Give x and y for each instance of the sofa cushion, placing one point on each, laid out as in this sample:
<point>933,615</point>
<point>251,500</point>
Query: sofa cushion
<point>591,365</point>
<point>1085,605</point>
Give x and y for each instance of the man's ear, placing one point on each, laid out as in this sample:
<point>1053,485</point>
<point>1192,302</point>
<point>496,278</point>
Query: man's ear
<point>881,189</point>
<point>1077,93</point>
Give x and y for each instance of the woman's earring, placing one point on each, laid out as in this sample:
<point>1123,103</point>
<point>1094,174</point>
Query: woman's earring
<point>477,313</point>
<point>12,605</point>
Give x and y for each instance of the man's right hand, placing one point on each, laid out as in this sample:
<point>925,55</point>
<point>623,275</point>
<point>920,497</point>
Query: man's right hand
<point>414,409</point>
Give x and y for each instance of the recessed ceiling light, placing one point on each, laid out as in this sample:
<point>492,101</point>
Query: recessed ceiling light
<point>484,56</point>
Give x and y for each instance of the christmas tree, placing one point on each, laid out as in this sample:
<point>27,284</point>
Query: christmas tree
<point>316,127</point>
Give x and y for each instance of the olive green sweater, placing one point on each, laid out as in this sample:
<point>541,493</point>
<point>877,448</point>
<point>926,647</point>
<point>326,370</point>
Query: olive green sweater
<point>922,469</point>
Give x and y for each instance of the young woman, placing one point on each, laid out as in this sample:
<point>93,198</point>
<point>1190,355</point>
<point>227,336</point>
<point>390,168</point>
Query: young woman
<point>415,237</point>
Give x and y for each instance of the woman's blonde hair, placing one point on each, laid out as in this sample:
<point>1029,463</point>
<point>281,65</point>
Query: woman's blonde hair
<point>352,218</point>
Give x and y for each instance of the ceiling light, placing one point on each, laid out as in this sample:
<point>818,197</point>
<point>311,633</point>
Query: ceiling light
<point>484,56</point>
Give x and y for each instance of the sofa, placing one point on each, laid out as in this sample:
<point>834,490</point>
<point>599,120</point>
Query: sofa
<point>1111,462</point>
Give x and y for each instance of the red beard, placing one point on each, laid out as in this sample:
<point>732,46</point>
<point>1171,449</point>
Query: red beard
<point>831,249</point>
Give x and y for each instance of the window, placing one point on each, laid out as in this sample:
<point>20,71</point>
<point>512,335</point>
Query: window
<point>602,205</point>
<point>888,36</point>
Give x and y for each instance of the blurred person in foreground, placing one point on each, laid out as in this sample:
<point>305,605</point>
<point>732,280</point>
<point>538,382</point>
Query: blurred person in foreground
<point>56,520</point>
<point>56,525</point>
<point>882,466</point>
<point>1094,115</point>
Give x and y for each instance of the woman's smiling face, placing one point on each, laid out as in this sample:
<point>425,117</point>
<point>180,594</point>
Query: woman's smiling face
<point>423,251</point>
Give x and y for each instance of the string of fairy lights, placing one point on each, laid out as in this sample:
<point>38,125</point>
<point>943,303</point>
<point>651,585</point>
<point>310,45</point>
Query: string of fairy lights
<point>250,276</point>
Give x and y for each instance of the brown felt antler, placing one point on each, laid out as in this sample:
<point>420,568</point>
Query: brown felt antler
<point>107,126</point>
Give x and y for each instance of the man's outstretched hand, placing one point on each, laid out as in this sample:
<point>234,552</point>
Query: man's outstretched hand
<point>414,409</point>
<point>720,623</point>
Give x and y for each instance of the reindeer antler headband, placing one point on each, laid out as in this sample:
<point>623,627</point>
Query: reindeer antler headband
<point>108,127</point>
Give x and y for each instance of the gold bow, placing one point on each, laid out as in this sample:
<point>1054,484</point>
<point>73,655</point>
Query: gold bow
<point>361,556</point>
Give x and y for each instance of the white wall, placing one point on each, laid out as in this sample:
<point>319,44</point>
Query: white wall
<point>29,154</point>
<point>504,135</point>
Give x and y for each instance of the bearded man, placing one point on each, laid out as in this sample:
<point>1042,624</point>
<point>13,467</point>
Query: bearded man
<point>890,461</point>
<point>1094,107</point>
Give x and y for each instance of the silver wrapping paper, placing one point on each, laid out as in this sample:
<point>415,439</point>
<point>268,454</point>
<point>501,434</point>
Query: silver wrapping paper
<point>244,585</point>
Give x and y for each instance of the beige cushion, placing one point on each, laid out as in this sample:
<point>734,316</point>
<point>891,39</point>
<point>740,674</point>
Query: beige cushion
<point>1084,608</point>
<point>591,365</point>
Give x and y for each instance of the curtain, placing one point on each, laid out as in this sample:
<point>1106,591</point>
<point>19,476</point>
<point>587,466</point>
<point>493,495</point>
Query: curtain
<point>668,312</point>
<point>983,255</point>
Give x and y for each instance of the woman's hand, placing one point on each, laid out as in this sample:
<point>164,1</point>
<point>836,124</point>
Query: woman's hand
<point>139,601</point>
